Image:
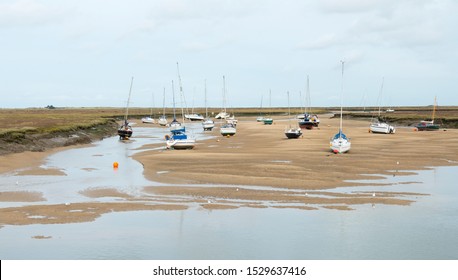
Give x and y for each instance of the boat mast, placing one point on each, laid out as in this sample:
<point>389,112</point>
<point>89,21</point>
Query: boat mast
<point>183,100</point>
<point>128,100</point>
<point>289,111</point>
<point>152,97</point>
<point>163,103</point>
<point>173,99</point>
<point>341,94</point>
<point>224,96</point>
<point>380,97</point>
<point>434,109</point>
<point>270,102</point>
<point>307,97</point>
<point>205,92</point>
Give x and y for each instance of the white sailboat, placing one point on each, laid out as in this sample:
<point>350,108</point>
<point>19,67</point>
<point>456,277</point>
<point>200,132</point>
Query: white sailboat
<point>261,117</point>
<point>208,124</point>
<point>223,114</point>
<point>379,125</point>
<point>291,132</point>
<point>194,116</point>
<point>163,119</point>
<point>340,143</point>
<point>229,128</point>
<point>150,118</point>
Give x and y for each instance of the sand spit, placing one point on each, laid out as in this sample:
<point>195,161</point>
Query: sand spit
<point>21,196</point>
<point>73,213</point>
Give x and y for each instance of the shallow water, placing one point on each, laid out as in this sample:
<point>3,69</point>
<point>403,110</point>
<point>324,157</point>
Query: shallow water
<point>428,229</point>
<point>92,167</point>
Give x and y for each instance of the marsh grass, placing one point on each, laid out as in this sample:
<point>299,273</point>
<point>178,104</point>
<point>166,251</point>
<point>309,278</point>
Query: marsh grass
<point>48,121</point>
<point>16,123</point>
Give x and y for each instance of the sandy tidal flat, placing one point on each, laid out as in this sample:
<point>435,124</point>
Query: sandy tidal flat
<point>258,167</point>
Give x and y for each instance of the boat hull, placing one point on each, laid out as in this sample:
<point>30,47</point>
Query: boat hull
<point>268,121</point>
<point>228,131</point>
<point>124,134</point>
<point>208,125</point>
<point>340,143</point>
<point>427,126</point>
<point>179,141</point>
<point>340,146</point>
<point>194,117</point>
<point>433,128</point>
<point>181,144</point>
<point>222,115</point>
<point>383,128</point>
<point>162,121</point>
<point>306,124</point>
<point>293,133</point>
<point>147,120</point>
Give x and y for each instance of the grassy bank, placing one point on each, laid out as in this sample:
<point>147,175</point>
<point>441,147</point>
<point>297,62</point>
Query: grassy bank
<point>39,129</point>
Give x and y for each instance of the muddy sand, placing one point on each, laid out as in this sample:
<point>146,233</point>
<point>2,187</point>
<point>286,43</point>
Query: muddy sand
<point>261,155</point>
<point>258,167</point>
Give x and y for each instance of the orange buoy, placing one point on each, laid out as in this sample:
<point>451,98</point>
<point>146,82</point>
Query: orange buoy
<point>115,164</point>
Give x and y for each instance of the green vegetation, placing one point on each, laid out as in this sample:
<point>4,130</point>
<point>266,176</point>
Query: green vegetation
<point>16,123</point>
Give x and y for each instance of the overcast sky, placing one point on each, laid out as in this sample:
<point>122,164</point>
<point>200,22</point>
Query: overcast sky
<point>77,53</point>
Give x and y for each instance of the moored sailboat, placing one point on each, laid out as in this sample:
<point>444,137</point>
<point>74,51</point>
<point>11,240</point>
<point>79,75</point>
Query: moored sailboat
<point>379,125</point>
<point>340,143</point>
<point>163,119</point>
<point>179,139</point>
<point>208,124</point>
<point>175,125</point>
<point>223,114</point>
<point>429,125</point>
<point>292,132</point>
<point>229,128</point>
<point>150,118</point>
<point>308,121</point>
<point>125,130</point>
<point>261,117</point>
<point>268,119</point>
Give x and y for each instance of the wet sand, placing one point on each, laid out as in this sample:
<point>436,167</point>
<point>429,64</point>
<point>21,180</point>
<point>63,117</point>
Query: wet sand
<point>261,155</point>
<point>216,175</point>
<point>28,163</point>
